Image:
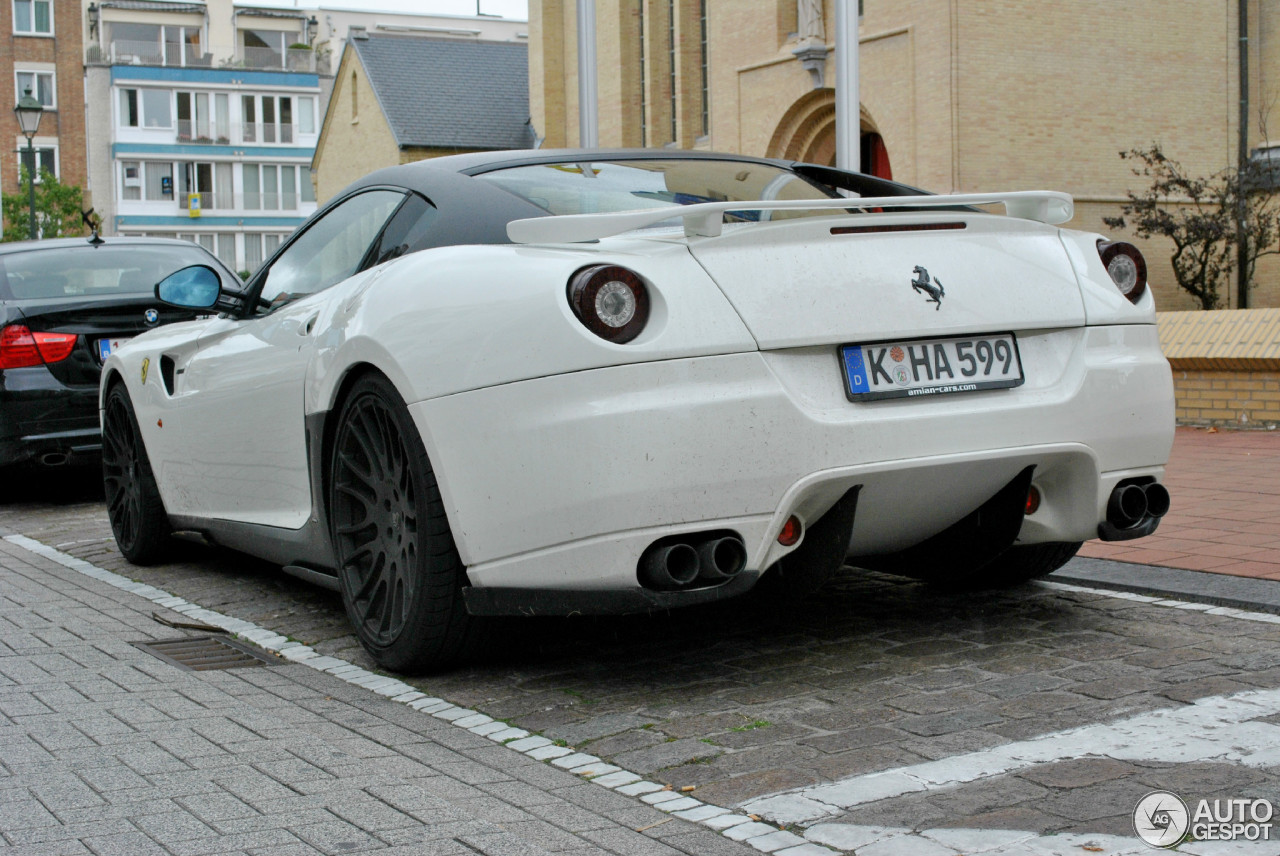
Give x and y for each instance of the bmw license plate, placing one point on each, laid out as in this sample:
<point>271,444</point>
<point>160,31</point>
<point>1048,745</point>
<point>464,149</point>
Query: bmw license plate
<point>925,367</point>
<point>108,346</point>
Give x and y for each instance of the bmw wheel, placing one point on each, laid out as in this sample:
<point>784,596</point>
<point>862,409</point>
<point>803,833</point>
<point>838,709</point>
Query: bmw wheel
<point>137,514</point>
<point>400,574</point>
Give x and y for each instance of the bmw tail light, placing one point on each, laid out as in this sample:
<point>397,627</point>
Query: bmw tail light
<point>20,348</point>
<point>610,301</point>
<point>1126,267</point>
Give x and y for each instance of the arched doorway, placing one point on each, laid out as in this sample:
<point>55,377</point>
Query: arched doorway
<point>807,133</point>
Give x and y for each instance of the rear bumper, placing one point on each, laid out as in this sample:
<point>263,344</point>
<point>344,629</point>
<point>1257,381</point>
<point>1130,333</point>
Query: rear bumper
<point>42,421</point>
<point>562,482</point>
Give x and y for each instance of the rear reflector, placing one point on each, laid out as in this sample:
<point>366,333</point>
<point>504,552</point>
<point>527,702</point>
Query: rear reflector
<point>790,533</point>
<point>20,348</point>
<point>1033,500</point>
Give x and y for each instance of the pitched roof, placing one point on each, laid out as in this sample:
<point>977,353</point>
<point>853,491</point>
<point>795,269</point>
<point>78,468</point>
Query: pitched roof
<point>447,93</point>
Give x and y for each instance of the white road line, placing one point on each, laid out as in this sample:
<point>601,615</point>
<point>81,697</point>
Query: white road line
<point>1218,728</point>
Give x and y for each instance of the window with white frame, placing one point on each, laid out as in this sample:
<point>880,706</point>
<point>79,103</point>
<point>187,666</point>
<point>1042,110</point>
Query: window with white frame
<point>33,17</point>
<point>265,48</point>
<point>267,118</point>
<point>155,44</point>
<point>204,117</point>
<point>41,86</point>
<point>306,115</point>
<point>41,157</point>
<point>212,181</point>
<point>276,187</point>
<point>145,108</point>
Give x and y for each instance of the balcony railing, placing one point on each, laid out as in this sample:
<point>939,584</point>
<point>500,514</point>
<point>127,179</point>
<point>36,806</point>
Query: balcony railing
<point>126,52</point>
<point>209,134</point>
<point>211,201</point>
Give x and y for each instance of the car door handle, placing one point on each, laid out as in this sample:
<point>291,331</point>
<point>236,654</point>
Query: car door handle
<point>308,325</point>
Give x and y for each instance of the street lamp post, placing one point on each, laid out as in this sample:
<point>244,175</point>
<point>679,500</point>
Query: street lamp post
<point>29,111</point>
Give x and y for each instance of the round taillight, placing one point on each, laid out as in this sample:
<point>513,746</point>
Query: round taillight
<point>1126,267</point>
<point>610,301</point>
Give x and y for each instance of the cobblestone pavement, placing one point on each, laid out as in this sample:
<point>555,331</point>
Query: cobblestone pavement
<point>749,700</point>
<point>107,750</point>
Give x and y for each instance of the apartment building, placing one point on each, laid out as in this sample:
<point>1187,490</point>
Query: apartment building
<point>40,50</point>
<point>205,118</point>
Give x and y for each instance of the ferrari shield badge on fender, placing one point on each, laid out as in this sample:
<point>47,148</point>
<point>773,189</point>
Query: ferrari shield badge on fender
<point>933,288</point>
<point>146,364</point>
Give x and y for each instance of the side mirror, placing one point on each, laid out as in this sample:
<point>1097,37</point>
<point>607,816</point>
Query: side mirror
<point>195,287</point>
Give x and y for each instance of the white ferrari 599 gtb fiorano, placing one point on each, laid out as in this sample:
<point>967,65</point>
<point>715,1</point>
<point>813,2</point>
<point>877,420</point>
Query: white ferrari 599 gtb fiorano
<point>551,382</point>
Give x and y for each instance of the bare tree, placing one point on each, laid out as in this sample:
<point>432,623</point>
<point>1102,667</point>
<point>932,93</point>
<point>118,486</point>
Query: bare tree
<point>1199,216</point>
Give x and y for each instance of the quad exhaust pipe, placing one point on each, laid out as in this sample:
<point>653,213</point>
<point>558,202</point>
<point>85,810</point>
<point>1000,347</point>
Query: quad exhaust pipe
<point>691,561</point>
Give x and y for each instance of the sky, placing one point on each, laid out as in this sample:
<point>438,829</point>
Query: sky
<point>503,8</point>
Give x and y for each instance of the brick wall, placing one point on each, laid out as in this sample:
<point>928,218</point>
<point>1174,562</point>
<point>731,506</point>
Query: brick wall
<point>63,51</point>
<point>1226,366</point>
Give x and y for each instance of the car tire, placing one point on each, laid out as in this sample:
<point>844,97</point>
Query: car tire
<point>138,519</point>
<point>811,565</point>
<point>399,571</point>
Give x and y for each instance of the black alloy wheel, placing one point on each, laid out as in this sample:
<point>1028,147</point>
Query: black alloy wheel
<point>400,574</point>
<point>137,514</point>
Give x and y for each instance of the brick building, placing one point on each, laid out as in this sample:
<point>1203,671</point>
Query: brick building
<point>41,48</point>
<point>956,96</point>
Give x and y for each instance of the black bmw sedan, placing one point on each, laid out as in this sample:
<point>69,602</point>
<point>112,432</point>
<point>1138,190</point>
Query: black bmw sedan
<point>64,305</point>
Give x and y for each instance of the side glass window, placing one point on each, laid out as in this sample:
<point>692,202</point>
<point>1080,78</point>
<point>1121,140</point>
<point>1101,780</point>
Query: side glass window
<point>330,250</point>
<point>405,231</point>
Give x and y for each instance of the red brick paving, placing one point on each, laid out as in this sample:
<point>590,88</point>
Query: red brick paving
<point>1225,516</point>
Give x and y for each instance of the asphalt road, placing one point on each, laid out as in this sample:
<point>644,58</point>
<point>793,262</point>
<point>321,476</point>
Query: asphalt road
<point>874,675</point>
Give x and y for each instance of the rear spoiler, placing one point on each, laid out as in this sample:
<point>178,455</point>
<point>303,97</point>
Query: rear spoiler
<point>706,219</point>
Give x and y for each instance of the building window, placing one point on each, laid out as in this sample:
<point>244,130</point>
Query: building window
<point>145,108</point>
<point>158,182</point>
<point>204,118</point>
<point>130,180</point>
<point>212,181</point>
<point>671,63</point>
<point>154,44</point>
<point>40,159</point>
<point>33,17</point>
<point>275,115</point>
<point>644,82</point>
<point>706,90</point>
<point>40,84</point>
<point>265,48</point>
<point>355,97</point>
<point>276,187</point>
<point>306,115</point>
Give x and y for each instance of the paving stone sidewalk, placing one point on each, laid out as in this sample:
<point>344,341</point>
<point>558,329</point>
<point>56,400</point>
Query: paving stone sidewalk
<point>1225,516</point>
<point>105,749</point>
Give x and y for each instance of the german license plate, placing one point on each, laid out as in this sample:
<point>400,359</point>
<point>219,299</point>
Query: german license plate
<point>924,367</point>
<point>108,346</point>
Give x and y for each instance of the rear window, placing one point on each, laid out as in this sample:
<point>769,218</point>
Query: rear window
<point>595,187</point>
<point>88,271</point>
